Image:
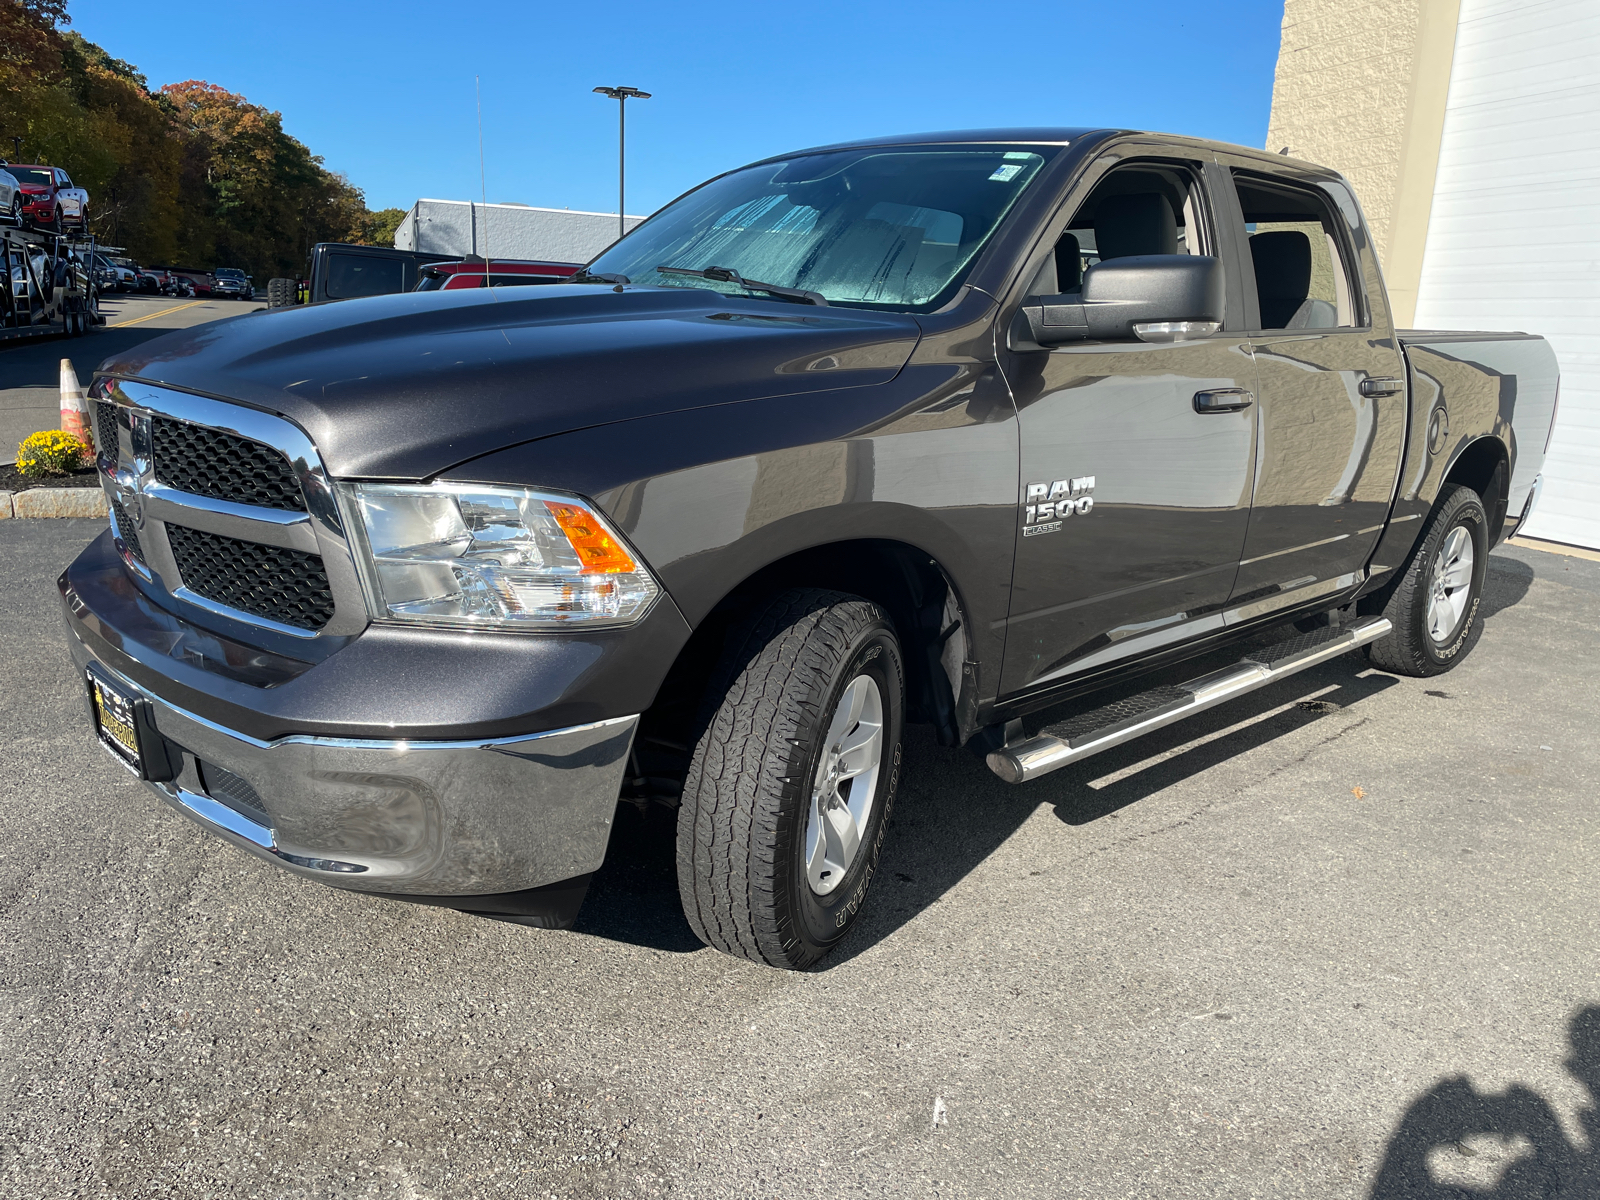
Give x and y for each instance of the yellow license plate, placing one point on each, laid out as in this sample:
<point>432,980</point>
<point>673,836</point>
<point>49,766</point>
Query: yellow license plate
<point>113,719</point>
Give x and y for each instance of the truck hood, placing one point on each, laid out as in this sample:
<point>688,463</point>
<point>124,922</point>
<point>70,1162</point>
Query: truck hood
<point>403,387</point>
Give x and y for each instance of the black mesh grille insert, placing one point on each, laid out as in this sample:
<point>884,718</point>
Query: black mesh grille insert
<point>224,786</point>
<point>281,585</point>
<point>223,466</point>
<point>105,428</point>
<point>126,531</point>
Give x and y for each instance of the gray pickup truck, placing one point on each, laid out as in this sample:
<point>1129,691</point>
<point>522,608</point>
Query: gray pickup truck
<point>992,431</point>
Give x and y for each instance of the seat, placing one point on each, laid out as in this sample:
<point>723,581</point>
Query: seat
<point>1282,261</point>
<point>1142,223</point>
<point>1069,264</point>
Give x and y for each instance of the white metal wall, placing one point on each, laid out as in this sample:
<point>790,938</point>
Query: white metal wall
<point>1514,239</point>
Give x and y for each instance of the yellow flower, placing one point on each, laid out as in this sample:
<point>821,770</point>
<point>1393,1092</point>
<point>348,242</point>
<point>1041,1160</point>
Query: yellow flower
<point>50,452</point>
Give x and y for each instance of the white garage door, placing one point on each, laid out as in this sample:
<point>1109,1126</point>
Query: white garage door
<point>1514,240</point>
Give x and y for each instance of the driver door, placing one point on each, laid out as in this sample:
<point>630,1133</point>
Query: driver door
<point>1157,491</point>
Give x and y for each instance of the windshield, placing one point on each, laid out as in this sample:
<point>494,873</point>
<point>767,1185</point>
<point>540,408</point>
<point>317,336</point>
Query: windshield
<point>31,177</point>
<point>228,273</point>
<point>894,228</point>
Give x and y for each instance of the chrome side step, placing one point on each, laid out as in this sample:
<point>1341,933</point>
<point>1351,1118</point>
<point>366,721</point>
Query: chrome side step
<point>1100,729</point>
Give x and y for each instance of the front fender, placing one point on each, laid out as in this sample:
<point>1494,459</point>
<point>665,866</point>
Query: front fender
<point>711,496</point>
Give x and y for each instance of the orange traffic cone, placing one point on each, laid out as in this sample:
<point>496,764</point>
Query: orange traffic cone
<point>74,405</point>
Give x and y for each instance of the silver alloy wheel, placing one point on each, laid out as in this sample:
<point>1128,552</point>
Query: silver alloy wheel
<point>846,784</point>
<point>1450,585</point>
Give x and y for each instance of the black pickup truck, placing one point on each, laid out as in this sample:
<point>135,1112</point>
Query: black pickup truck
<point>405,594</point>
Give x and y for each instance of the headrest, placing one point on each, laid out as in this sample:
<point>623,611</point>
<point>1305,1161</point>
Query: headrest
<point>1282,260</point>
<point>1137,224</point>
<point>1069,264</point>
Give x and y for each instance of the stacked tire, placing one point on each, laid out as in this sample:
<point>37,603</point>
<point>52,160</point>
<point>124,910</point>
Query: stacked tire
<point>282,293</point>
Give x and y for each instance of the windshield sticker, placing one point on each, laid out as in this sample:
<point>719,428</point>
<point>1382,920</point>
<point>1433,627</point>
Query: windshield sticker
<point>1006,173</point>
<point>1024,155</point>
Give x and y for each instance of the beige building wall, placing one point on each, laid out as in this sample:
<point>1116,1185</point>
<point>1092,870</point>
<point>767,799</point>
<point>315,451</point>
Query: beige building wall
<point>1361,87</point>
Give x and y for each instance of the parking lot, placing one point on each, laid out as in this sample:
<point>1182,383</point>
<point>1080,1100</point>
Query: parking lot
<point>1306,945</point>
<point>30,373</point>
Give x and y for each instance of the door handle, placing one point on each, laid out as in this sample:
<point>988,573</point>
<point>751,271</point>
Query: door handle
<point>1381,387</point>
<point>1215,400</point>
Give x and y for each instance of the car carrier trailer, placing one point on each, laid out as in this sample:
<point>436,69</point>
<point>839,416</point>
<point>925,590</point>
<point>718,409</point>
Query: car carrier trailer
<point>50,287</point>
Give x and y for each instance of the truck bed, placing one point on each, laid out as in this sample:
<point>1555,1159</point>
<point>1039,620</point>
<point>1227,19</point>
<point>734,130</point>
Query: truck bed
<point>1510,378</point>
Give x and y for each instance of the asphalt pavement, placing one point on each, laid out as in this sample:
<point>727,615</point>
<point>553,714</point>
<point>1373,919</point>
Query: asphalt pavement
<point>1335,938</point>
<point>30,372</point>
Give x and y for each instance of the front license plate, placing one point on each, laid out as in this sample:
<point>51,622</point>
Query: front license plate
<point>114,722</point>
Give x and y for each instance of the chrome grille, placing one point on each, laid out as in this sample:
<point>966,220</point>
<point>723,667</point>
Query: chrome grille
<point>224,466</point>
<point>281,585</point>
<point>229,510</point>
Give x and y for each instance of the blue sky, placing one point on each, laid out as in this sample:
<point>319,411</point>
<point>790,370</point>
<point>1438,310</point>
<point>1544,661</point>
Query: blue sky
<point>384,92</point>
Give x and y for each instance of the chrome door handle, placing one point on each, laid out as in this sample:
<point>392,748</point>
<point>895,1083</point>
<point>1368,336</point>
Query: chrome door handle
<point>1214,400</point>
<point>1381,387</point>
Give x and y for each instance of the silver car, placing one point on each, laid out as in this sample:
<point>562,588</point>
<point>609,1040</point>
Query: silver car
<point>10,197</point>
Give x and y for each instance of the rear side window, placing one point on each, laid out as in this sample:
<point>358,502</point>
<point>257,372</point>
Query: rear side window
<point>351,276</point>
<point>1301,263</point>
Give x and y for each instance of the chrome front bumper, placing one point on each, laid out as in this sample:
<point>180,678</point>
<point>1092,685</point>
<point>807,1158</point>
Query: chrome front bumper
<point>427,819</point>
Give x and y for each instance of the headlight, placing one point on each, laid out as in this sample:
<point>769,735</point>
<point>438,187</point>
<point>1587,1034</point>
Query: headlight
<point>466,555</point>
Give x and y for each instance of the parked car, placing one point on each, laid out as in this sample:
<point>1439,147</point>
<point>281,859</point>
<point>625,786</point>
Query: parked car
<point>344,271</point>
<point>126,271</point>
<point>471,272</point>
<point>843,440</point>
<point>234,283</point>
<point>170,283</point>
<point>49,199</point>
<point>204,283</point>
<point>106,275</point>
<point>10,197</point>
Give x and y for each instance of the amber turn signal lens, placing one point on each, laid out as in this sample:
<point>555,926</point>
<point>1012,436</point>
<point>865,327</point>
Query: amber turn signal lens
<point>597,551</point>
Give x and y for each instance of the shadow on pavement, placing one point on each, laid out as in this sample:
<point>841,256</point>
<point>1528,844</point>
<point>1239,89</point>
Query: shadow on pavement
<point>952,813</point>
<point>1455,1142</point>
<point>1504,585</point>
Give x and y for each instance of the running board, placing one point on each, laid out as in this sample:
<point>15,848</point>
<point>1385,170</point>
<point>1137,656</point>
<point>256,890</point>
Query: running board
<point>1100,729</point>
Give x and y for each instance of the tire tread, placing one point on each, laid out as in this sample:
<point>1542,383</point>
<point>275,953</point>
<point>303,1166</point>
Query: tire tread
<point>762,695</point>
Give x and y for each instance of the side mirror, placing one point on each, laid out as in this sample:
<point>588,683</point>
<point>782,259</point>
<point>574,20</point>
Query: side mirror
<point>1152,297</point>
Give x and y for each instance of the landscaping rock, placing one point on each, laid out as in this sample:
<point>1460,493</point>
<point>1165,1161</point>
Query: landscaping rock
<point>59,502</point>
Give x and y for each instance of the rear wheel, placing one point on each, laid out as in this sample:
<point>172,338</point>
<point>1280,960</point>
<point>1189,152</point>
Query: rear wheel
<point>16,211</point>
<point>792,778</point>
<point>1435,604</point>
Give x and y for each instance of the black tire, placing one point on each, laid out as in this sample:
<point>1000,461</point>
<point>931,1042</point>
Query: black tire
<point>1412,647</point>
<point>747,799</point>
<point>16,211</point>
<point>281,293</point>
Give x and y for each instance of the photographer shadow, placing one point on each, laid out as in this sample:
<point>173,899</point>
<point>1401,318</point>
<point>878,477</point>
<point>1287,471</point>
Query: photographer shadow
<point>1434,1138</point>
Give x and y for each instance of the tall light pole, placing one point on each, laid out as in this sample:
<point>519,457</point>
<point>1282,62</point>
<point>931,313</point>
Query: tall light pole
<point>622,95</point>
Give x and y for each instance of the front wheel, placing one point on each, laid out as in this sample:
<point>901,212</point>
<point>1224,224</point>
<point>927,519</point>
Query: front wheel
<point>792,778</point>
<point>1434,604</point>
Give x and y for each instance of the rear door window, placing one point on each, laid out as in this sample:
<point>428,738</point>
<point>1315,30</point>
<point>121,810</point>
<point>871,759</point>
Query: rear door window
<point>351,276</point>
<point>1300,259</point>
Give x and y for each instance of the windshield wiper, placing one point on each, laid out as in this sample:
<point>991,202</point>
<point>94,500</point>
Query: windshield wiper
<point>586,276</point>
<point>729,275</point>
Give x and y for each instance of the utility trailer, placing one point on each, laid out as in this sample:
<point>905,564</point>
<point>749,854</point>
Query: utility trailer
<point>50,288</point>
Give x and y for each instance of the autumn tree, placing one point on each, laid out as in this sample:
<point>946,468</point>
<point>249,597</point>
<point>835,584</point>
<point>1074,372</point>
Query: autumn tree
<point>192,174</point>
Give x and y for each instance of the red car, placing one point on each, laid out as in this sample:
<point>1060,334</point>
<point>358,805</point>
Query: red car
<point>471,272</point>
<point>49,199</point>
